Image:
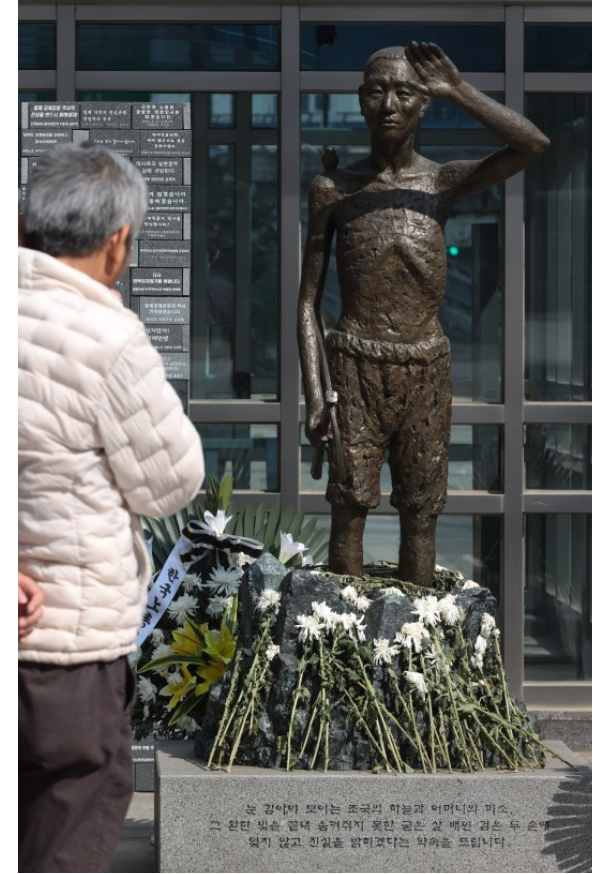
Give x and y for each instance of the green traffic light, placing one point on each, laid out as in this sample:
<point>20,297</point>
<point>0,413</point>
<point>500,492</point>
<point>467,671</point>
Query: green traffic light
<point>453,250</point>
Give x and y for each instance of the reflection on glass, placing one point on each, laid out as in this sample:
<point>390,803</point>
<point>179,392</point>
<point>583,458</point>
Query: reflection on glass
<point>558,457</point>
<point>558,597</point>
<point>347,46</point>
<point>335,111</point>
<point>445,115</point>
<point>558,253</point>
<point>342,112</point>
<point>471,310</point>
<point>474,461</point>
<point>235,307</point>
<point>469,544</point>
<point>558,48</point>
<point>135,96</point>
<point>264,111</point>
<point>177,46</point>
<point>37,46</point>
<point>222,110</point>
<point>249,453</point>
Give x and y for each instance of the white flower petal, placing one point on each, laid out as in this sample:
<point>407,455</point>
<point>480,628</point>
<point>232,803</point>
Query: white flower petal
<point>215,524</point>
<point>272,651</point>
<point>427,609</point>
<point>289,548</point>
<point>147,691</point>
<point>224,581</point>
<point>268,600</point>
<point>488,625</point>
<point>182,607</point>
<point>417,680</point>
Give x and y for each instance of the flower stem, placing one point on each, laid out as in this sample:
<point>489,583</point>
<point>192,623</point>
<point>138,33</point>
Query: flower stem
<point>295,701</point>
<point>382,726</point>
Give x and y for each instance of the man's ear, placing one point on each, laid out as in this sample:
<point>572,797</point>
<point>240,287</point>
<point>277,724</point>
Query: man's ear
<point>117,252</point>
<point>119,243</point>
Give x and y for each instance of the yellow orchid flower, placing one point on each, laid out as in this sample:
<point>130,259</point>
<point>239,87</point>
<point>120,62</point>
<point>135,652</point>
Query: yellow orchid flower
<point>186,641</point>
<point>179,686</point>
<point>220,645</point>
<point>210,674</point>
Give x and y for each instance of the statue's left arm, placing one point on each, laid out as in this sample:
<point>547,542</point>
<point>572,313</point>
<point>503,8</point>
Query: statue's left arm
<point>523,141</point>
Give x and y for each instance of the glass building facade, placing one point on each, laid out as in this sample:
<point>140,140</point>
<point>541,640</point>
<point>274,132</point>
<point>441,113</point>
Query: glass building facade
<point>269,87</point>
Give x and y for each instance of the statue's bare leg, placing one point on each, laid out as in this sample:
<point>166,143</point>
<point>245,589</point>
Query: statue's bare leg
<point>417,551</point>
<point>345,542</point>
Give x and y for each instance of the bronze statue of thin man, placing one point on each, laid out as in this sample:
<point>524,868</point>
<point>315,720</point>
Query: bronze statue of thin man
<point>388,359</point>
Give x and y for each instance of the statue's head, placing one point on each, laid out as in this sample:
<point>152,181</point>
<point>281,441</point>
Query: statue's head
<point>389,103</point>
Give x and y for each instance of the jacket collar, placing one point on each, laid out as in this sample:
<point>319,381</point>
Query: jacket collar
<point>41,272</point>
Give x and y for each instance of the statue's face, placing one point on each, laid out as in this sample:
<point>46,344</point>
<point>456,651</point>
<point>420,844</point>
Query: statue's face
<point>389,104</point>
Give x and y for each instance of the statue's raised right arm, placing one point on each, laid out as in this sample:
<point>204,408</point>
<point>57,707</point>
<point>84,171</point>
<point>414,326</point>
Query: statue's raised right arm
<point>439,77</point>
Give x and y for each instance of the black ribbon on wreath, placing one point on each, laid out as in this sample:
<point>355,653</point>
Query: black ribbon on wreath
<point>205,540</point>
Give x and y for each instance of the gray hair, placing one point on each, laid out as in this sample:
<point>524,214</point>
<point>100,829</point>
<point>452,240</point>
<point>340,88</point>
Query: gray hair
<point>78,195</point>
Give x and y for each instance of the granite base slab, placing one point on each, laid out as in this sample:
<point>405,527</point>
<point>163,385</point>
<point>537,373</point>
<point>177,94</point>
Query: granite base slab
<point>265,820</point>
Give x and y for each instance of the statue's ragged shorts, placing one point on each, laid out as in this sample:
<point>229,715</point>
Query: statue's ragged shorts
<point>393,399</point>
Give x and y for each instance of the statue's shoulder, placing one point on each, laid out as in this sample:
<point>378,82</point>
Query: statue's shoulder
<point>325,188</point>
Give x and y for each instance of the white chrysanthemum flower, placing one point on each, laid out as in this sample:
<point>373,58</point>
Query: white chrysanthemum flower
<point>384,652</point>
<point>477,661</point>
<point>352,625</point>
<point>362,603</point>
<point>469,584</point>
<point>147,691</point>
<point>349,593</point>
<point>188,725</point>
<point>272,651</point>
<point>392,590</point>
<point>182,607</point>
<point>268,600</point>
<point>451,614</point>
<point>289,548</point>
<point>310,627</point>
<point>488,625</point>
<point>157,636</point>
<point>436,660</point>
<point>417,680</point>
<point>224,581</point>
<point>427,609</point>
<point>324,613</point>
<point>191,582</point>
<point>163,649</point>
<point>411,635</point>
<point>217,605</point>
<point>481,645</point>
<point>215,524</point>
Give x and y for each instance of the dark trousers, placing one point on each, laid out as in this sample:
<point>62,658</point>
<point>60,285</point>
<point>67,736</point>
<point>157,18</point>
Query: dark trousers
<point>75,768</point>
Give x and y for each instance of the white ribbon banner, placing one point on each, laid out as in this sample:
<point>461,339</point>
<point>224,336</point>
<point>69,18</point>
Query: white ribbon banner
<point>164,589</point>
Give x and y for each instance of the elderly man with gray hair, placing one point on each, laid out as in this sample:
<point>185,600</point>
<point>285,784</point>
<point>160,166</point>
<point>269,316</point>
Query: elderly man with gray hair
<point>102,439</point>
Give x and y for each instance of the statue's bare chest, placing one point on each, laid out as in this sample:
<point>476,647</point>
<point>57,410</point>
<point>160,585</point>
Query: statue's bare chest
<point>396,220</point>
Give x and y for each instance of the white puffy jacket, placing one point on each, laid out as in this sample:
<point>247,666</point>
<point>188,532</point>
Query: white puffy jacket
<point>102,437</point>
